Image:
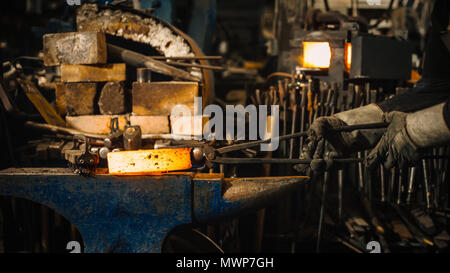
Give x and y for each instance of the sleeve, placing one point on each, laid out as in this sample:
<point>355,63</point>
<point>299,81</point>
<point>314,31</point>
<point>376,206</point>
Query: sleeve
<point>437,56</point>
<point>425,94</point>
<point>434,88</point>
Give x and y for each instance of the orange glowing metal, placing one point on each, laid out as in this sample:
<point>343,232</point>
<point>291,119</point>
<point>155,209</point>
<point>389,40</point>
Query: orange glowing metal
<point>149,161</point>
<point>316,54</point>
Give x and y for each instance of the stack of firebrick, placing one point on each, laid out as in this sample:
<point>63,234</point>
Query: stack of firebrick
<point>93,91</point>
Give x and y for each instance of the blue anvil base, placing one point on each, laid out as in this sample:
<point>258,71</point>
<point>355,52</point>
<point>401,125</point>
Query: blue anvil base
<point>133,213</point>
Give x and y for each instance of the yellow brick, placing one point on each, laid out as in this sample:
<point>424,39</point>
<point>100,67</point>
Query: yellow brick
<point>93,73</point>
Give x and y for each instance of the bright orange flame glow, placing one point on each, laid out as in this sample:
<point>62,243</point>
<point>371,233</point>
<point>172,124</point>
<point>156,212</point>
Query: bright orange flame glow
<point>348,56</point>
<point>149,161</point>
<point>316,54</point>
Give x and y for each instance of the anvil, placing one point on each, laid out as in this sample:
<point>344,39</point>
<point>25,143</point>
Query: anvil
<point>135,213</point>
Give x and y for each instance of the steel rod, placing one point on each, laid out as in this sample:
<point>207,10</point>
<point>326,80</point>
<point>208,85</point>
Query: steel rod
<point>238,160</point>
<point>187,58</point>
<point>212,67</point>
<point>236,147</point>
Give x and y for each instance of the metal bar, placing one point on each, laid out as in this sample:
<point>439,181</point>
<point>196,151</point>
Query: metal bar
<point>349,128</point>
<point>294,121</point>
<point>204,66</point>
<point>302,116</point>
<point>282,93</point>
<point>187,58</point>
<point>340,192</point>
<point>293,105</point>
<point>360,172</point>
<point>410,186</point>
<point>238,160</point>
<point>426,182</point>
<point>137,59</point>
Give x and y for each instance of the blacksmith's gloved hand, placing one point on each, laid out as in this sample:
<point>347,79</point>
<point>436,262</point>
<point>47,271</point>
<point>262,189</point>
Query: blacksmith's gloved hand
<point>341,142</point>
<point>408,134</point>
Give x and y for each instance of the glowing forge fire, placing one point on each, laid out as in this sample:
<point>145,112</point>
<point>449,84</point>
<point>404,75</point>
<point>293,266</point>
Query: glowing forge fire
<point>316,54</point>
<point>348,56</point>
<point>143,162</point>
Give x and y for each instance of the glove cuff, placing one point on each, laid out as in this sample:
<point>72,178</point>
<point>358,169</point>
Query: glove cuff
<point>363,139</point>
<point>428,127</point>
<point>366,114</point>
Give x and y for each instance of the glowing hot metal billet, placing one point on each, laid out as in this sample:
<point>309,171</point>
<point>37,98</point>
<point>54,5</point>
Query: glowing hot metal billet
<point>141,162</point>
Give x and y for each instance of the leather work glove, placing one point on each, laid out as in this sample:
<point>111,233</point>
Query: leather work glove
<point>408,134</point>
<point>341,142</point>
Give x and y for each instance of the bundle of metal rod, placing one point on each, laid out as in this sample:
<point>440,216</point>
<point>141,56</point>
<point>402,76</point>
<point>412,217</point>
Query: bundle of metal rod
<point>284,96</point>
<point>304,99</point>
<point>424,185</point>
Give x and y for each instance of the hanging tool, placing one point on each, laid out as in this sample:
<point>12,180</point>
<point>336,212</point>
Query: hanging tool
<point>283,103</point>
<point>328,101</point>
<point>310,97</point>
<point>334,98</point>
<point>320,103</point>
<point>303,111</point>
<point>258,96</point>
<point>293,106</point>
